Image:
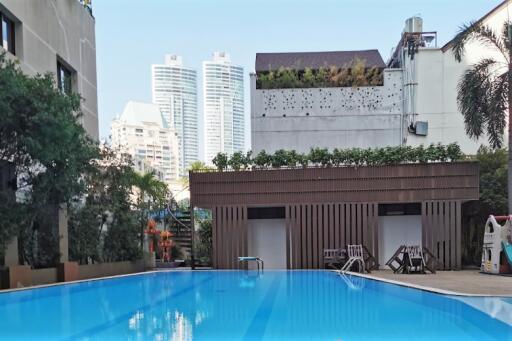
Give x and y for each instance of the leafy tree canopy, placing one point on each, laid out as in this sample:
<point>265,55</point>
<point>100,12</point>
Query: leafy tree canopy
<point>42,140</point>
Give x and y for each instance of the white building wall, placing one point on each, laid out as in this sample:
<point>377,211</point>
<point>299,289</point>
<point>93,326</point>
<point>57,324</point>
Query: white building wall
<point>395,231</point>
<point>438,74</point>
<point>48,30</point>
<point>347,117</point>
<point>145,136</point>
<point>174,90</point>
<point>223,101</point>
<point>267,240</point>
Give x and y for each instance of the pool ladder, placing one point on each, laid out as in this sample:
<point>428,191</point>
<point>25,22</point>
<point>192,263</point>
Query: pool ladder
<point>355,253</point>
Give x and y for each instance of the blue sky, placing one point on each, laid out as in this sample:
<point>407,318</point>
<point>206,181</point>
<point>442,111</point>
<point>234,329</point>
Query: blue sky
<point>133,34</point>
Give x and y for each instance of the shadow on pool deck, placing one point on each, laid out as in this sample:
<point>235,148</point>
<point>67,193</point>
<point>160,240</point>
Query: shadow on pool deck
<point>466,281</point>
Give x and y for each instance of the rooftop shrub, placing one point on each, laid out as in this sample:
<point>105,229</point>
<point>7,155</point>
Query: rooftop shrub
<point>352,75</point>
<point>322,157</point>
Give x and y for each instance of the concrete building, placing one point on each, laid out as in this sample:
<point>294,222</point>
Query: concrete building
<point>174,89</point>
<point>58,37</point>
<point>329,117</point>
<point>142,132</point>
<point>223,101</point>
<point>417,103</point>
<point>430,78</point>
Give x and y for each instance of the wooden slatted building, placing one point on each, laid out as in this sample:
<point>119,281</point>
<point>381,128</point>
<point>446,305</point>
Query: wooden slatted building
<point>293,214</point>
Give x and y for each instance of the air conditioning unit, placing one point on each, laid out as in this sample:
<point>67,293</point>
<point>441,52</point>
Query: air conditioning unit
<point>419,128</point>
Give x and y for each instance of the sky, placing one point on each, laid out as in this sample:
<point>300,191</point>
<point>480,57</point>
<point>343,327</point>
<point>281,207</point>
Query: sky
<point>133,34</point>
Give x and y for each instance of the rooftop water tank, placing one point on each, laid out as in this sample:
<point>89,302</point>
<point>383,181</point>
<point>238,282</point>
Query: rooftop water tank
<point>414,24</point>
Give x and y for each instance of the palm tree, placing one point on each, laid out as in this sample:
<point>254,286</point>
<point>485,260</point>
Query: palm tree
<point>484,94</point>
<point>152,196</point>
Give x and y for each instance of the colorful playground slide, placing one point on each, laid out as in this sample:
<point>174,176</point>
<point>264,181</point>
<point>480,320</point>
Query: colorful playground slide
<point>497,245</point>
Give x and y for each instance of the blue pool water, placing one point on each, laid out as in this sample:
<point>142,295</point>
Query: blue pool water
<point>240,305</point>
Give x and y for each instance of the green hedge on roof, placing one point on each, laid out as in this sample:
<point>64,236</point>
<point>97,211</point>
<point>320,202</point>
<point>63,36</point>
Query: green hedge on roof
<point>339,157</point>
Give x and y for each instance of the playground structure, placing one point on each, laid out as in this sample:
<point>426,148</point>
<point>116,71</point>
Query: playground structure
<point>497,246</point>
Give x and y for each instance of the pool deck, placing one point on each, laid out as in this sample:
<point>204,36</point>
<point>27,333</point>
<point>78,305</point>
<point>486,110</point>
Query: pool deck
<point>467,282</point>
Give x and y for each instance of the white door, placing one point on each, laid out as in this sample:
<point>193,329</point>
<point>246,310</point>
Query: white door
<point>395,231</point>
<point>267,240</point>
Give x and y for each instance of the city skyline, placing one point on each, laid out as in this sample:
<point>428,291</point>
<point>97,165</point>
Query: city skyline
<point>258,29</point>
<point>174,90</point>
<point>223,106</point>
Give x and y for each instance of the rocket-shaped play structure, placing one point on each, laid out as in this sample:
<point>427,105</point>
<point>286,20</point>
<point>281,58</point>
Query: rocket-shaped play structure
<point>497,247</point>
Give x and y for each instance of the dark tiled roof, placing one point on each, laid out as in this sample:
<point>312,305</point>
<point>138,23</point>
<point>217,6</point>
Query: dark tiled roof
<point>315,60</point>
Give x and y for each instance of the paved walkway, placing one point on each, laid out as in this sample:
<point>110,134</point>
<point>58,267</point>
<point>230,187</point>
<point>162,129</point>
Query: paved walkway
<point>465,281</point>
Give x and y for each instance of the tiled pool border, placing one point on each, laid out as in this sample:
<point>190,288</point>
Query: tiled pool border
<point>367,276</point>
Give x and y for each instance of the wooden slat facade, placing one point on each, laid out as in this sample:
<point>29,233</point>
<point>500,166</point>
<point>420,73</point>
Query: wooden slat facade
<point>332,207</point>
<point>310,233</point>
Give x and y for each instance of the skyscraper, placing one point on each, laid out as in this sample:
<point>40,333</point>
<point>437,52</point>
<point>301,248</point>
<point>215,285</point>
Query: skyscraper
<point>142,132</point>
<point>174,90</point>
<point>223,101</point>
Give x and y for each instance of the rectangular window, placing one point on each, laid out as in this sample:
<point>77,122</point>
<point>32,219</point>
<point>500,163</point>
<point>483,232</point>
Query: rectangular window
<point>399,209</point>
<point>64,78</point>
<point>139,130</point>
<point>7,33</point>
<point>266,213</point>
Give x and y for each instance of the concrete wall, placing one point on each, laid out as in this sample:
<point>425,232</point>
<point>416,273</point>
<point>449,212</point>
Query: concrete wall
<point>48,30</point>
<point>44,276</point>
<point>267,240</point>
<point>395,231</point>
<point>109,269</point>
<point>23,276</point>
<point>327,117</point>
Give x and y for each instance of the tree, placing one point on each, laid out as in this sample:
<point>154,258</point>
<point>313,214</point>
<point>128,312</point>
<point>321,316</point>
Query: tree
<point>151,195</point>
<point>280,158</point>
<point>221,161</point>
<point>42,139</point>
<point>196,166</point>
<point>102,223</point>
<point>319,156</point>
<point>237,161</point>
<point>493,200</point>
<point>204,242</point>
<point>484,93</point>
<point>200,166</point>
<point>262,159</point>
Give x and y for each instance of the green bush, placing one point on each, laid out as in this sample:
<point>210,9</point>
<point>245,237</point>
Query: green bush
<point>262,160</point>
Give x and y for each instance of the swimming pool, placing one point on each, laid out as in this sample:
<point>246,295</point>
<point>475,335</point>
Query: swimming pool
<point>240,305</point>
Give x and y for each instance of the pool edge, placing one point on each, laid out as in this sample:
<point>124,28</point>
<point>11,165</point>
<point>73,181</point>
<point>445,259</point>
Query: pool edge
<point>421,287</point>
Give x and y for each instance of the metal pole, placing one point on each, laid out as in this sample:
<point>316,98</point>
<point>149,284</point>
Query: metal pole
<point>509,173</point>
<point>192,234</point>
